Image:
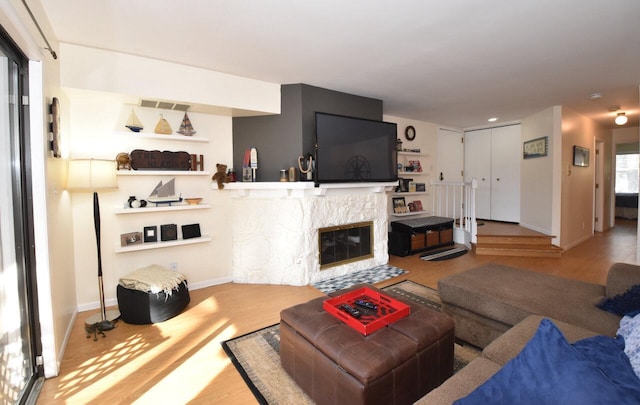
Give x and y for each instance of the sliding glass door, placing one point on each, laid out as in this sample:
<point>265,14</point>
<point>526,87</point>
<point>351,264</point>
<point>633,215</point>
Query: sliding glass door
<point>19,335</point>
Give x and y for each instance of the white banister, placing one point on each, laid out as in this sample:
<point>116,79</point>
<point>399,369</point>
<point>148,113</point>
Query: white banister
<point>459,199</point>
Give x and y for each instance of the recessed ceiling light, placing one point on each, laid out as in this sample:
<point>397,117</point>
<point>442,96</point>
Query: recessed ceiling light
<point>493,119</point>
<point>596,96</point>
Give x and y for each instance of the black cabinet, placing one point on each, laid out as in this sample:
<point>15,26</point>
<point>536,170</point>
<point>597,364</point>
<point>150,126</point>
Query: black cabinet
<point>420,234</point>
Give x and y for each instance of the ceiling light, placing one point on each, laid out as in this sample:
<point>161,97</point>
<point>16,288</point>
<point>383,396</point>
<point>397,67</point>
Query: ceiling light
<point>493,119</point>
<point>596,96</point>
<point>621,119</point>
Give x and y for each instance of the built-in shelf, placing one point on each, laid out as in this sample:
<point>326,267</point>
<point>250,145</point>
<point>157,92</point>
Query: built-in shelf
<point>411,193</point>
<point>411,173</point>
<point>160,245</point>
<point>161,173</point>
<point>160,208</point>
<point>409,214</point>
<point>172,137</point>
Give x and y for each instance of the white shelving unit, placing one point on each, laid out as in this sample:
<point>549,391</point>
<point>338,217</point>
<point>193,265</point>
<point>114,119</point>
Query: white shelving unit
<point>164,208</point>
<point>403,158</point>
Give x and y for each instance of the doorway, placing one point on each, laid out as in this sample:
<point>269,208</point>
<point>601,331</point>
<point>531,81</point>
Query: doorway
<point>20,345</point>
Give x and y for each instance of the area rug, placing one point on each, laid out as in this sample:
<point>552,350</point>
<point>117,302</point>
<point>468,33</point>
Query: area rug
<point>444,254</point>
<point>256,355</point>
<point>367,276</point>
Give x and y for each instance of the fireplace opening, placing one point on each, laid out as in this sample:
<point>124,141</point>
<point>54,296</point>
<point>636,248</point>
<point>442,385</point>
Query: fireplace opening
<point>345,244</point>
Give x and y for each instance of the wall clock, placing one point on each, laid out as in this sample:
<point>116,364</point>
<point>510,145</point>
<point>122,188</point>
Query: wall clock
<point>410,133</point>
<point>54,127</point>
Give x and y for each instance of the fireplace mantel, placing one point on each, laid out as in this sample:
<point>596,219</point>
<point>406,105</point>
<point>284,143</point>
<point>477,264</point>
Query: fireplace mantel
<point>300,188</point>
<point>275,228</point>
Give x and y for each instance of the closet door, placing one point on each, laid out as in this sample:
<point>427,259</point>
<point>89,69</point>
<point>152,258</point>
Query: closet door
<point>477,164</point>
<point>506,154</point>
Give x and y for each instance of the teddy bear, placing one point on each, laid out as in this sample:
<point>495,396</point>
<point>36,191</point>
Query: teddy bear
<point>220,175</point>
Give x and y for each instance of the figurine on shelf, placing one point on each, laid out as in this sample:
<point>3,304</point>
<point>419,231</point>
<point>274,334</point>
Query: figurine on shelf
<point>163,127</point>
<point>124,161</point>
<point>186,128</point>
<point>133,123</point>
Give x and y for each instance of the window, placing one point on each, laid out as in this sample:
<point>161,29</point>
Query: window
<point>627,173</point>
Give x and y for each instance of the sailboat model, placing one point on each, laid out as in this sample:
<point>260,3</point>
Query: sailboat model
<point>164,193</point>
<point>186,128</point>
<point>133,123</point>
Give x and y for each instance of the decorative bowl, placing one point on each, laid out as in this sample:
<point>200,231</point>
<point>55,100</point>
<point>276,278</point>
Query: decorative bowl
<point>193,201</point>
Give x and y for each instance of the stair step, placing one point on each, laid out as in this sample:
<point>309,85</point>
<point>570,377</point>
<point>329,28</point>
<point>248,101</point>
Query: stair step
<point>528,250</point>
<point>517,239</point>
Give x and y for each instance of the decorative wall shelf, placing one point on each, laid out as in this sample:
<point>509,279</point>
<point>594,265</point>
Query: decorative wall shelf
<point>162,173</point>
<point>180,207</point>
<point>173,137</point>
<point>410,214</point>
<point>162,244</point>
<point>411,193</point>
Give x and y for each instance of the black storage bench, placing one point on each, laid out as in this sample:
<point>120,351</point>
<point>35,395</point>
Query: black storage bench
<point>410,236</point>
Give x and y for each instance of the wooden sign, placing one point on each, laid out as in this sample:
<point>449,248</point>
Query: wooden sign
<point>156,160</point>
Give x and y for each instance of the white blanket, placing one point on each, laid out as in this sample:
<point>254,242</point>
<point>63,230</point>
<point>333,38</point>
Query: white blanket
<point>153,279</point>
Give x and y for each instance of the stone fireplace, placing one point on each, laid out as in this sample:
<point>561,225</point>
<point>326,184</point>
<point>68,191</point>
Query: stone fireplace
<point>275,229</point>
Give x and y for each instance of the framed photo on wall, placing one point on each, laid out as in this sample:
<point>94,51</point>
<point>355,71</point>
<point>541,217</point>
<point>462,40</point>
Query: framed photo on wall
<point>580,156</point>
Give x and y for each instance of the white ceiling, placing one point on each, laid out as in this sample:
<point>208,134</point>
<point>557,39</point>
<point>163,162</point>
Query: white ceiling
<point>451,62</point>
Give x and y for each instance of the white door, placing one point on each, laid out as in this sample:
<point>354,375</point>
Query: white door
<point>477,164</point>
<point>450,155</point>
<point>506,154</point>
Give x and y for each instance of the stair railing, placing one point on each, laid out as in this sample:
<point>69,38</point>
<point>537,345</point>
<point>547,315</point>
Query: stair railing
<point>457,200</point>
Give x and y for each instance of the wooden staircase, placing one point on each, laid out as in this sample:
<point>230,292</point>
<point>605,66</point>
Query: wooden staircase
<point>513,240</point>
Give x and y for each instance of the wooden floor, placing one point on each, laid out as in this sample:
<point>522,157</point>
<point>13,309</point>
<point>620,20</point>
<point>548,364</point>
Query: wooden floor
<point>180,361</point>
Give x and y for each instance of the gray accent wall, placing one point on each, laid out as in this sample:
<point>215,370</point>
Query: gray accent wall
<point>280,139</point>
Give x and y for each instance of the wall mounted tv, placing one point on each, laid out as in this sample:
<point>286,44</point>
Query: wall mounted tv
<point>354,150</point>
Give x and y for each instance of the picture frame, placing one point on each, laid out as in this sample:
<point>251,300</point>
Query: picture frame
<point>191,231</point>
<point>399,205</point>
<point>168,232</point>
<point>580,156</point>
<point>150,234</point>
<point>535,148</point>
<point>131,238</point>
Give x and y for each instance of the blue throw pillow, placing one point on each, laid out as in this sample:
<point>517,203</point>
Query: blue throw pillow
<point>626,303</point>
<point>548,371</point>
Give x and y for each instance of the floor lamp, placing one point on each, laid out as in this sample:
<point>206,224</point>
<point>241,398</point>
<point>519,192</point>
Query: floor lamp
<point>91,175</point>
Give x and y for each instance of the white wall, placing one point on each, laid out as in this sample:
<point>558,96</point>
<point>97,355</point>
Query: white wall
<point>578,186</point>
<point>536,174</point>
<point>96,124</point>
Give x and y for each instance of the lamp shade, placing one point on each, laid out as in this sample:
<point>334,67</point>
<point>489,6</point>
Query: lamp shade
<point>91,175</point>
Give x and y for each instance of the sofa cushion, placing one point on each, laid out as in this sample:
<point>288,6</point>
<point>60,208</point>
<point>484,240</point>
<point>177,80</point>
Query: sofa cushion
<point>549,371</point>
<point>509,295</point>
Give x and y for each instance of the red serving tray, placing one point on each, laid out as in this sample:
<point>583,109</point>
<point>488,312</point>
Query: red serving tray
<point>389,310</point>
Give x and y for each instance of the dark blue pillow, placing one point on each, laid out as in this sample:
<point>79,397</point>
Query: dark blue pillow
<point>608,355</point>
<point>548,371</point>
<point>626,303</point>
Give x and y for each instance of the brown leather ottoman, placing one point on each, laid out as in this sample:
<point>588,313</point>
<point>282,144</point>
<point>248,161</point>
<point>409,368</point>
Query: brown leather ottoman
<point>335,364</point>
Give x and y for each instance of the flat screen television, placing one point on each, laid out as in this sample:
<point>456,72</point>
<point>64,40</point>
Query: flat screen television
<point>351,150</point>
